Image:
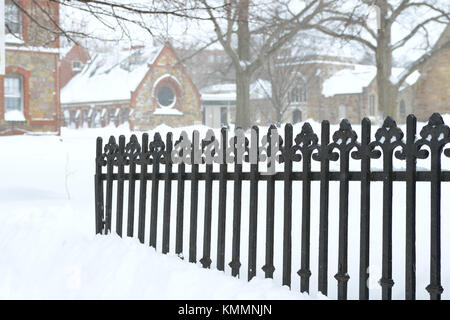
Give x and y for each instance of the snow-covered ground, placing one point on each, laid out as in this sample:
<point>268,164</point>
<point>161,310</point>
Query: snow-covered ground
<point>48,248</point>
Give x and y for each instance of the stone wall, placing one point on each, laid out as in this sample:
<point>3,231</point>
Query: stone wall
<point>433,87</point>
<point>41,90</point>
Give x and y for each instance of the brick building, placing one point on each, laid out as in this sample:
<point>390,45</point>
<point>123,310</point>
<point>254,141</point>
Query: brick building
<point>141,86</point>
<point>72,62</point>
<point>32,54</point>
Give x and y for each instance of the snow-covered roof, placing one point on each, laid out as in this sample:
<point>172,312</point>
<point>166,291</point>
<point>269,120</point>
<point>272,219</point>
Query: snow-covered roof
<point>259,89</point>
<point>110,76</point>
<point>348,81</point>
<point>355,79</point>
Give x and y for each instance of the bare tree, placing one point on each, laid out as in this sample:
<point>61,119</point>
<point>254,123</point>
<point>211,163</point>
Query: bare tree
<point>422,18</point>
<point>116,16</point>
<point>283,71</point>
<point>240,22</point>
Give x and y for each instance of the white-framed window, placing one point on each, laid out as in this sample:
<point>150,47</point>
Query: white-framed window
<point>12,19</point>
<point>77,65</point>
<point>372,105</point>
<point>13,93</point>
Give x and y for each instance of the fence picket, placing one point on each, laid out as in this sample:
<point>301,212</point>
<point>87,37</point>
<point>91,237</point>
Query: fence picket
<point>253,207</point>
<point>133,150</point>
<point>222,203</point>
<point>268,267</point>
<point>235,263</point>
<point>167,193</point>
<point>324,195</point>
<point>143,188</point>
<point>120,185</point>
<point>344,139</point>
<point>111,152</point>
<point>194,201</point>
<point>287,221</point>
<point>180,206</point>
<point>156,151</point>
<point>364,155</point>
<point>206,259</point>
<point>98,187</point>
<point>306,141</point>
<point>410,260</point>
<point>435,134</point>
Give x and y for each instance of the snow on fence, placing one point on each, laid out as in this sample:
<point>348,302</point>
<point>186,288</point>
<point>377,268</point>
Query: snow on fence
<point>129,162</point>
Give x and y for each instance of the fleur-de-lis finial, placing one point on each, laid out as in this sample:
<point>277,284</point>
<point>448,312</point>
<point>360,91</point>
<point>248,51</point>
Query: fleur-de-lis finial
<point>345,137</point>
<point>133,150</point>
<point>388,137</point>
<point>111,150</point>
<point>306,142</point>
<point>157,148</point>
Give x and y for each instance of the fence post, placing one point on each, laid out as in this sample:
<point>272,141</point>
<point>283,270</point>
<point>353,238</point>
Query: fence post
<point>268,267</point>
<point>133,152</point>
<point>387,137</point>
<point>99,214</point>
<point>344,140</point>
<point>120,183</point>
<point>156,151</point>
<point>235,264</point>
<point>143,188</point>
<point>206,259</point>
<point>324,198</point>
<point>365,210</point>
<point>194,199</point>
<point>111,152</point>
<point>306,142</point>
<point>167,193</point>
<point>439,133</point>
<point>287,223</point>
<point>222,202</point>
<point>180,205</point>
<point>410,260</point>
<point>253,221</point>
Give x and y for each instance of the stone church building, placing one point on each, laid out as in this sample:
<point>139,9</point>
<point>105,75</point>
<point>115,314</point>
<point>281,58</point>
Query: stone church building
<point>141,86</point>
<point>334,87</point>
<point>32,55</point>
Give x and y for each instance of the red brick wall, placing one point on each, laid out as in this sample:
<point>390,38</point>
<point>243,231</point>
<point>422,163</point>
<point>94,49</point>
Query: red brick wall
<point>77,53</point>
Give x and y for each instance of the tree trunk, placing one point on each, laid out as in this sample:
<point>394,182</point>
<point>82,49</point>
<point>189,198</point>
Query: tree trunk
<point>242,75</point>
<point>243,100</point>
<point>387,92</point>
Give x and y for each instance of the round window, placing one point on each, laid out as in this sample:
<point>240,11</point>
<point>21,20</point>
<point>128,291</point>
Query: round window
<point>166,96</point>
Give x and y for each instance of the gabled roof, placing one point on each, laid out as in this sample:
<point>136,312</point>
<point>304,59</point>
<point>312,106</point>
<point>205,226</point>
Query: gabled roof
<point>357,77</point>
<point>259,89</point>
<point>110,76</point>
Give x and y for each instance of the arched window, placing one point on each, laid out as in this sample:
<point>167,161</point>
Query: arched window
<point>296,116</point>
<point>298,93</point>
<point>402,109</point>
<point>12,19</point>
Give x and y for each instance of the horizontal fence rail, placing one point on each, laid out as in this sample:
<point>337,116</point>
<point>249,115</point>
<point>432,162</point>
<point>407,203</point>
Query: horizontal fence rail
<point>130,163</point>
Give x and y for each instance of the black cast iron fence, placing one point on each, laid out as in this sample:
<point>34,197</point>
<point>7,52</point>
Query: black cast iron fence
<point>123,160</point>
